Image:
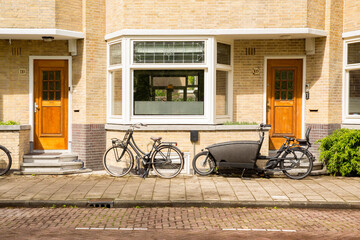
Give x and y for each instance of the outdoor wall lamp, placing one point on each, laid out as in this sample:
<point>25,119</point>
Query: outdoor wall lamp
<point>47,38</point>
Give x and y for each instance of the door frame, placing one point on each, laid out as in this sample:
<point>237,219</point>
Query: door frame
<point>31,100</point>
<point>303,57</point>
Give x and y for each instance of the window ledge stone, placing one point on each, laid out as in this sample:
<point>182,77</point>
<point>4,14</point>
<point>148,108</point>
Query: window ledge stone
<point>200,127</point>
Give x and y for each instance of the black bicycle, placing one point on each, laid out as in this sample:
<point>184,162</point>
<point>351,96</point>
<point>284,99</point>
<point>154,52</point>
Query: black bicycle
<point>5,160</point>
<point>293,158</point>
<point>164,158</point>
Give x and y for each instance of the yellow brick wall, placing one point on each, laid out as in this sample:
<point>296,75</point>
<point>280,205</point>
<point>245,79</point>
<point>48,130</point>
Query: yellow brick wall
<point>351,15</point>
<point>316,14</point>
<point>248,89</point>
<point>17,142</point>
<point>324,70</point>
<point>322,74</point>
<point>27,14</point>
<point>69,14</point>
<point>206,138</point>
<point>14,88</point>
<point>62,14</point>
<point>95,60</point>
<point>203,14</point>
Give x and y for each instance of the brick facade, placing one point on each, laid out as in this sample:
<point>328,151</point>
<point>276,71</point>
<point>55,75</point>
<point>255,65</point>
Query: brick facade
<point>323,111</point>
<point>89,142</point>
<point>351,15</point>
<point>61,14</point>
<point>190,14</point>
<point>17,142</point>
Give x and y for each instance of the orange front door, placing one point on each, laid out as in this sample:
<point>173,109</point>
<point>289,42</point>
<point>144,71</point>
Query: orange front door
<point>284,99</point>
<point>51,104</point>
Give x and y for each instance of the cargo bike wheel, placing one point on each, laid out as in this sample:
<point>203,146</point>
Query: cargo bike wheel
<point>118,161</point>
<point>203,163</point>
<point>297,163</point>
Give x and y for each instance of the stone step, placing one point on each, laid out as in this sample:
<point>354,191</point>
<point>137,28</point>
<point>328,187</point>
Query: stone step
<point>47,165</point>
<point>65,157</point>
<point>51,163</point>
<point>55,172</point>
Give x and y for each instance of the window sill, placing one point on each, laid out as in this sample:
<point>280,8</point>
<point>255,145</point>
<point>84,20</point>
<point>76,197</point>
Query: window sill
<point>14,127</point>
<point>200,127</point>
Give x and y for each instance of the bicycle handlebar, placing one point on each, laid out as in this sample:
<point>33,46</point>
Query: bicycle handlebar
<point>138,125</point>
<point>262,125</point>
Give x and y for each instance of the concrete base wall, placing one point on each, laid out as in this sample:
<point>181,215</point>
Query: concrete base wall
<point>16,140</point>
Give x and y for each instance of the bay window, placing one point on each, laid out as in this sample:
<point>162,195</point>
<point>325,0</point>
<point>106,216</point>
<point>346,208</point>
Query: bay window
<point>168,92</point>
<point>223,82</point>
<point>177,81</point>
<point>352,81</point>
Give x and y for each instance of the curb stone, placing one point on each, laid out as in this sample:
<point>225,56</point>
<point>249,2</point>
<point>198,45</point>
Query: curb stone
<point>210,204</point>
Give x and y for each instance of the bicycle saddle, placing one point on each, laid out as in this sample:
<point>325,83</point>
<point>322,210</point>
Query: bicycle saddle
<point>156,138</point>
<point>289,138</point>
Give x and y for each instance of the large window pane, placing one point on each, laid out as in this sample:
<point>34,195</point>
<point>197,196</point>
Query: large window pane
<point>223,53</point>
<point>168,92</point>
<point>169,52</point>
<point>115,54</point>
<point>117,92</point>
<point>354,92</point>
<point>221,93</point>
<point>354,53</point>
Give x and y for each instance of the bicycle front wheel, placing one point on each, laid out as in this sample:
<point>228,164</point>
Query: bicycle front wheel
<point>167,161</point>
<point>203,163</point>
<point>118,161</point>
<point>296,164</point>
<point>5,160</point>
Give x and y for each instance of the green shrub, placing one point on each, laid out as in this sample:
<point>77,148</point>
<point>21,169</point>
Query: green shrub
<point>9,123</point>
<point>341,152</point>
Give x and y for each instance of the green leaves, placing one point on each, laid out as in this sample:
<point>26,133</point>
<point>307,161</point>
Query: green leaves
<point>341,152</point>
<point>9,123</point>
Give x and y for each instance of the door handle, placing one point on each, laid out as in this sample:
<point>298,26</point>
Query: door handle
<point>36,107</point>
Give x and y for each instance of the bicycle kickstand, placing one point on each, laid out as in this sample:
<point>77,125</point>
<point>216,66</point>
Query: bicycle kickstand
<point>146,173</point>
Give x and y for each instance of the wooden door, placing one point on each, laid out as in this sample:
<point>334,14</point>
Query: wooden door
<point>284,99</point>
<point>51,104</point>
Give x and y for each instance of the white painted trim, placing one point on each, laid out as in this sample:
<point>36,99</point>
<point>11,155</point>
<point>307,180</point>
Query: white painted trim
<point>128,67</point>
<point>351,34</point>
<point>244,32</point>
<point>230,89</point>
<point>31,94</point>
<point>37,34</point>
<point>303,117</point>
<point>346,118</point>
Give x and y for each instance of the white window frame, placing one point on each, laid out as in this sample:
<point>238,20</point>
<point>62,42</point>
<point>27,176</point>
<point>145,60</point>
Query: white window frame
<point>128,67</point>
<point>346,73</point>
<point>229,90</point>
<point>109,81</point>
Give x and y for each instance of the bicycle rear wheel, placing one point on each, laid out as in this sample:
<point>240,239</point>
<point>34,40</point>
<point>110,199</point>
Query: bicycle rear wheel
<point>203,163</point>
<point>297,164</point>
<point>167,161</point>
<point>118,161</point>
<point>5,160</point>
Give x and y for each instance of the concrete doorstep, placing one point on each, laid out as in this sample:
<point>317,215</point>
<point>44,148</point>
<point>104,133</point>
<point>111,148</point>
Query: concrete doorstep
<point>91,190</point>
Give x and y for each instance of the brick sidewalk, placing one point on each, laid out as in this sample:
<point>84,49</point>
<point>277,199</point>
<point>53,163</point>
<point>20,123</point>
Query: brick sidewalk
<point>325,191</point>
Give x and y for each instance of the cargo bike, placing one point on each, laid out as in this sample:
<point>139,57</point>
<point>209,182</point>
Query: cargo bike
<point>293,158</point>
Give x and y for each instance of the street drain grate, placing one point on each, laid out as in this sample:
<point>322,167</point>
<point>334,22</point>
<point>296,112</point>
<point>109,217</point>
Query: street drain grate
<point>101,203</point>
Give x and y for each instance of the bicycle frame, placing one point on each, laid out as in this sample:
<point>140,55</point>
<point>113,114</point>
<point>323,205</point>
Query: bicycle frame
<point>129,140</point>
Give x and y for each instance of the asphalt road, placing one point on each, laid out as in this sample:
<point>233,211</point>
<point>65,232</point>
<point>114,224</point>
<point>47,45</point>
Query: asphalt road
<point>178,223</point>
